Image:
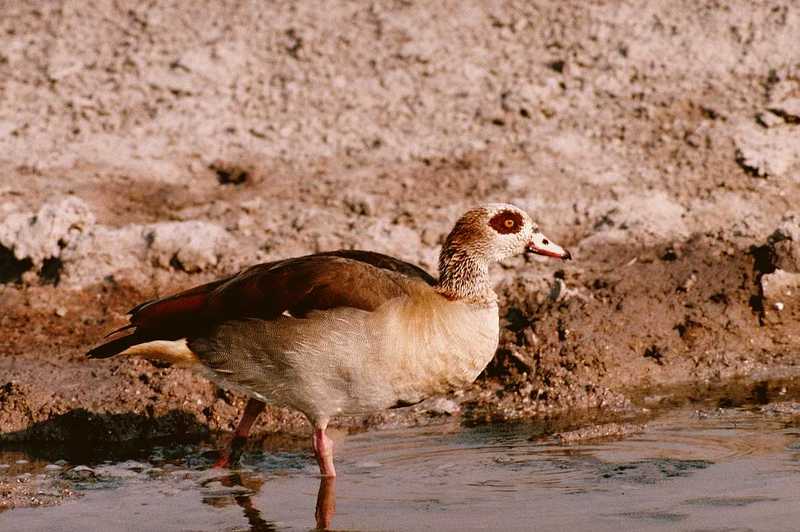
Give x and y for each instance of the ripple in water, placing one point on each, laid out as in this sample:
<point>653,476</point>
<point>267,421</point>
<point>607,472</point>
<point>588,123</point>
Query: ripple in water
<point>681,471</point>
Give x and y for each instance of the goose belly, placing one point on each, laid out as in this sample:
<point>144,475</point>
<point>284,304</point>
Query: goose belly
<point>348,361</point>
<point>430,351</point>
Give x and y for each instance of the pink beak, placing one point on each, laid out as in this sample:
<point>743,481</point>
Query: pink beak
<point>541,245</point>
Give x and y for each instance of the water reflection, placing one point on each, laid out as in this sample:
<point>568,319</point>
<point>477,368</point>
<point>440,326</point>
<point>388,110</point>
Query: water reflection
<point>326,503</point>
<point>239,487</point>
<point>684,467</point>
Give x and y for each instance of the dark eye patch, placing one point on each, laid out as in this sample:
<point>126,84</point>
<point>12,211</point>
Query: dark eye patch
<point>506,222</point>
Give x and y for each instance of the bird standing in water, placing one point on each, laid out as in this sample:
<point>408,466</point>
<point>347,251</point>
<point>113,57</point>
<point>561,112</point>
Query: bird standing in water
<point>342,332</point>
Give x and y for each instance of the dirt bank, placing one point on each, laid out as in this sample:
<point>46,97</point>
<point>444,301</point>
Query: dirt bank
<point>144,149</point>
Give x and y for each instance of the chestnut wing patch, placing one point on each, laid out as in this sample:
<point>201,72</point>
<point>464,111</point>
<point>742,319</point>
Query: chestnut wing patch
<point>506,222</point>
<point>301,285</point>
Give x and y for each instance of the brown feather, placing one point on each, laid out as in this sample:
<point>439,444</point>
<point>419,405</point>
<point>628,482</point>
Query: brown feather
<point>174,304</point>
<point>302,285</point>
<point>346,278</point>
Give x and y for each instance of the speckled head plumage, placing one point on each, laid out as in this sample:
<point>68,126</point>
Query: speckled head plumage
<point>483,235</point>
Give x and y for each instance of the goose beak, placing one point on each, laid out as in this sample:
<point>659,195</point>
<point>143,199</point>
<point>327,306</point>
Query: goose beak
<point>541,245</point>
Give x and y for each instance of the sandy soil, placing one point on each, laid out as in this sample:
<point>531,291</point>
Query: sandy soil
<point>147,147</point>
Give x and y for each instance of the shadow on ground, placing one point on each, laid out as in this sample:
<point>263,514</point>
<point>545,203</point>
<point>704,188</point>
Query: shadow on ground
<point>82,436</point>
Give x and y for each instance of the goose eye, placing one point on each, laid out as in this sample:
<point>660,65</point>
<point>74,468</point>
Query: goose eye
<point>507,222</point>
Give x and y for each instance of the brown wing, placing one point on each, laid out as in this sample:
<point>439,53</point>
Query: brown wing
<point>299,286</point>
<point>384,262</point>
<point>357,279</point>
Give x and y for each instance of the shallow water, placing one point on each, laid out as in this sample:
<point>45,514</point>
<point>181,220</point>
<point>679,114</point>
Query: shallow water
<point>730,469</point>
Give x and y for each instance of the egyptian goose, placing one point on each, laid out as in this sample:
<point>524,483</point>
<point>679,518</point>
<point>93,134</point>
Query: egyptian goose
<point>341,332</point>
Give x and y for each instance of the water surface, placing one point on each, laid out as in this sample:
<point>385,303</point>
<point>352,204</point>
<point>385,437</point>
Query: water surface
<point>724,469</point>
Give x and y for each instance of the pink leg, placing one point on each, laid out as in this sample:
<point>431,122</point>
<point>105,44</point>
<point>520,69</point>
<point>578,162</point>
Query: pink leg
<point>323,450</point>
<point>232,454</point>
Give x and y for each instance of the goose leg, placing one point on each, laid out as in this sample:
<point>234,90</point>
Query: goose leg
<point>323,450</point>
<point>232,454</point>
<point>326,502</point>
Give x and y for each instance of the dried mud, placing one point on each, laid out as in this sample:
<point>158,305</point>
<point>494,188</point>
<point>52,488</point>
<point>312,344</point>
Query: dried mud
<point>147,149</point>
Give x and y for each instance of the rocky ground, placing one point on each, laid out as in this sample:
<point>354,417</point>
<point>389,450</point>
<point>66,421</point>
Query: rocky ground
<point>148,147</point>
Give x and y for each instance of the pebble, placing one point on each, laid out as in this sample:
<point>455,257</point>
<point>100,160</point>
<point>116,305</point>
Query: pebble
<point>441,405</point>
<point>769,119</point>
<point>80,472</point>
